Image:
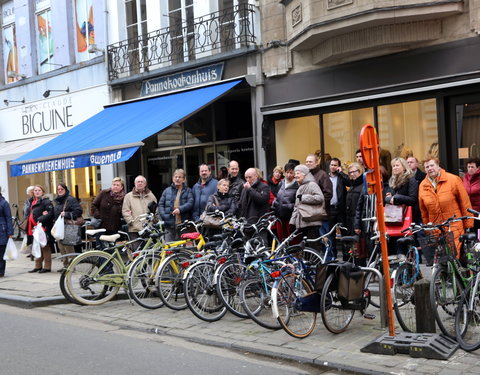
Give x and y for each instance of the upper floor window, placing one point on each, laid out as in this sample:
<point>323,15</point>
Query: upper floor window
<point>136,13</point>
<point>180,15</point>
<point>84,28</point>
<point>10,56</point>
<point>44,36</point>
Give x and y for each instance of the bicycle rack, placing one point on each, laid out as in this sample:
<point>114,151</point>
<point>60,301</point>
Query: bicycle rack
<point>383,308</point>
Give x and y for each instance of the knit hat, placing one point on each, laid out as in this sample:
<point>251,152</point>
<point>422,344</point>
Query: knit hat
<point>302,168</point>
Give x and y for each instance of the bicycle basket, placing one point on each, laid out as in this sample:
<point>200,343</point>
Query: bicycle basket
<point>442,243</point>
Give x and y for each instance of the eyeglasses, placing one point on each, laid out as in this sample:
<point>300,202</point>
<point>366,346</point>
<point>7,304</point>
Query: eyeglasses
<point>353,172</point>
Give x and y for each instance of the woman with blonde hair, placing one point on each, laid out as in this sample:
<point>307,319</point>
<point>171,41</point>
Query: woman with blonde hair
<point>275,179</point>
<point>402,189</point>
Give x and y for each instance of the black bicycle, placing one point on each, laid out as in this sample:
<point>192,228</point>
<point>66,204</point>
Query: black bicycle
<point>17,230</point>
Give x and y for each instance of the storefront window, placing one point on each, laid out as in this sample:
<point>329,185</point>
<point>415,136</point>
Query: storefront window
<point>233,118</point>
<point>198,128</point>
<point>407,129</point>
<point>171,136</point>
<point>196,156</point>
<point>342,132</point>
<point>295,138</point>
<point>44,36</point>
<point>242,152</point>
<point>468,132</point>
<point>160,169</point>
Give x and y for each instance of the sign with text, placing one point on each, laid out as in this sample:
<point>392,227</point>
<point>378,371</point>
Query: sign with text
<point>51,116</point>
<point>70,162</point>
<point>190,78</point>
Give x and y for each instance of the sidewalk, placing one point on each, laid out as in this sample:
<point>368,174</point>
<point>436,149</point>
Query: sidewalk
<point>322,348</point>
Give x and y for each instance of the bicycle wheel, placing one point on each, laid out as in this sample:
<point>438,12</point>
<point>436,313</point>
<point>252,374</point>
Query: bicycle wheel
<point>169,281</point>
<point>334,316</point>
<point>467,320</point>
<point>296,323</point>
<point>94,278</point>
<point>141,280</point>
<point>404,296</point>
<point>445,292</point>
<point>229,277</point>
<point>257,302</point>
<point>200,293</point>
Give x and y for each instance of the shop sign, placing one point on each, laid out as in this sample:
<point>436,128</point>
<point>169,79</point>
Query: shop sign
<point>51,116</point>
<point>187,79</point>
<point>70,162</point>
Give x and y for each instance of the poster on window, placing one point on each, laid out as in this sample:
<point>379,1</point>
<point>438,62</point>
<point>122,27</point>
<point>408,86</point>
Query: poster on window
<point>84,25</point>
<point>10,54</point>
<point>45,41</point>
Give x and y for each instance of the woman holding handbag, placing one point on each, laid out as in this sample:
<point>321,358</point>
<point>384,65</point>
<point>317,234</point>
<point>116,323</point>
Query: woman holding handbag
<point>41,211</point>
<point>68,208</point>
<point>402,190</point>
<point>6,230</point>
<point>221,201</point>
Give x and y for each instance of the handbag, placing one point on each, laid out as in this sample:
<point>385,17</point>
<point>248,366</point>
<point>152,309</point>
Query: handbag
<point>78,221</point>
<point>72,236</point>
<point>310,212</point>
<point>393,214</point>
<point>211,221</point>
<point>24,225</point>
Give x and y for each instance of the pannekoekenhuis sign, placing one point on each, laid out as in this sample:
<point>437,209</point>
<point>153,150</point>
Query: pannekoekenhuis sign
<point>190,78</point>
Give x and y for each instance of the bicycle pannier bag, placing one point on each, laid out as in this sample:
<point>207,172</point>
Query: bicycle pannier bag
<point>320,276</point>
<point>350,283</point>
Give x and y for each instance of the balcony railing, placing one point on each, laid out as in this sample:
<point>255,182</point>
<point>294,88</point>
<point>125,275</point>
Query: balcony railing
<point>208,35</point>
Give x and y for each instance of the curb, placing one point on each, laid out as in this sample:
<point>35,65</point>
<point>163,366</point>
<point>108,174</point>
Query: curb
<point>240,347</point>
<point>29,302</point>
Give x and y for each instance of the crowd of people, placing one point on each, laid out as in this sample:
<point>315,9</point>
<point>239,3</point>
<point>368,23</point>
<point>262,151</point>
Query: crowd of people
<point>303,196</point>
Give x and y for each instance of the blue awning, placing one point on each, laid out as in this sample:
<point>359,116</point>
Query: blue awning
<point>114,134</point>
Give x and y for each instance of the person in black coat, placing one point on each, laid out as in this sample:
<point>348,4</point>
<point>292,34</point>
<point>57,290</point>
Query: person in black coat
<point>6,230</point>
<point>41,211</point>
<point>255,197</point>
<point>236,182</point>
<point>413,164</point>
<point>67,207</point>
<point>340,181</point>
<point>220,201</point>
<point>285,201</point>
<point>402,190</point>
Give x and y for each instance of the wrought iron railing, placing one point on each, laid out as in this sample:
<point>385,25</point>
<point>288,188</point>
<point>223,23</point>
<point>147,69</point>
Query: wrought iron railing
<point>208,35</point>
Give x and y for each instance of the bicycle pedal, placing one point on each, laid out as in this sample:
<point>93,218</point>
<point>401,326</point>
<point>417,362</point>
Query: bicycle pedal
<point>369,316</point>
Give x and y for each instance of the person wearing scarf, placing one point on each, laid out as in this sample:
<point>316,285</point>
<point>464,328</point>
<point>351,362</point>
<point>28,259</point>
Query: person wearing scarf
<point>275,179</point>
<point>69,208</point>
<point>41,211</point>
<point>135,204</point>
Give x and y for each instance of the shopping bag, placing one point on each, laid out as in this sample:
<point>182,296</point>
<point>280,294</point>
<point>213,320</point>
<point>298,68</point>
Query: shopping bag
<point>36,249</point>
<point>58,230</point>
<point>393,214</point>
<point>39,235</point>
<point>25,247</point>
<point>11,252</point>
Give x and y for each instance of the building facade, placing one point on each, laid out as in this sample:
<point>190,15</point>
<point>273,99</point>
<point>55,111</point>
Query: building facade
<point>53,78</point>
<point>408,68</point>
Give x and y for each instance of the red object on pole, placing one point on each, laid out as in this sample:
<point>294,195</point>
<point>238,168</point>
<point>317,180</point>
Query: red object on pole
<point>370,149</point>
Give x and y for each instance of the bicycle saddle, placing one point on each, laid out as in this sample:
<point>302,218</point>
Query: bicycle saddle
<point>190,236</point>
<point>111,238</point>
<point>93,232</point>
<point>406,241</point>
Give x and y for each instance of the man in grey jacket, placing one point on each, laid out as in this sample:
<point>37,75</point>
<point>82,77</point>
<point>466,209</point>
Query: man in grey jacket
<point>205,187</point>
